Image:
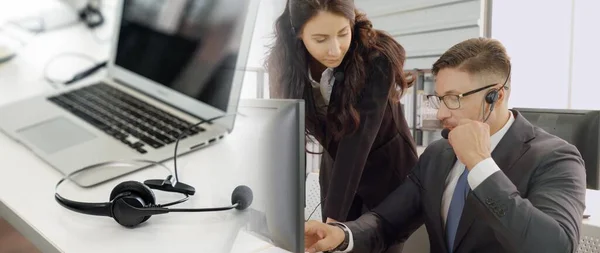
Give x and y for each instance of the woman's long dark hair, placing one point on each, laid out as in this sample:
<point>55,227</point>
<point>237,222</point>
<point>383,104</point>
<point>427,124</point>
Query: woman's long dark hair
<point>287,65</point>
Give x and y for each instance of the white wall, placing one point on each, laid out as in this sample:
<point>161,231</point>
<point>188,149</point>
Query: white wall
<point>552,50</point>
<point>586,55</point>
<point>426,28</point>
<point>268,11</point>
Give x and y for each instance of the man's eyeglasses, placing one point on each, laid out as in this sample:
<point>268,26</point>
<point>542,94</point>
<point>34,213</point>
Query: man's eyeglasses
<point>452,101</point>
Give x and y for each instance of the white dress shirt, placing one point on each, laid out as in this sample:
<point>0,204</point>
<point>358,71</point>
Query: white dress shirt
<point>476,176</point>
<point>325,85</point>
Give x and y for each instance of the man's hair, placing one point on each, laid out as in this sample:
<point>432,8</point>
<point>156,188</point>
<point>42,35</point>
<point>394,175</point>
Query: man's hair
<point>483,57</point>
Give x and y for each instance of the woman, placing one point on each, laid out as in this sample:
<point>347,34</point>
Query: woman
<point>351,78</point>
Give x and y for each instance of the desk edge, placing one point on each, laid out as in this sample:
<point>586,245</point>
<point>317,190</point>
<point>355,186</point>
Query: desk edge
<point>28,231</point>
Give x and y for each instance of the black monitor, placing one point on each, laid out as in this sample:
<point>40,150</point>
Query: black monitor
<point>578,127</point>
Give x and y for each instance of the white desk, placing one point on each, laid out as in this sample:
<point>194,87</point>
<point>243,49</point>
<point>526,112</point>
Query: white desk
<point>27,191</point>
<point>27,202</point>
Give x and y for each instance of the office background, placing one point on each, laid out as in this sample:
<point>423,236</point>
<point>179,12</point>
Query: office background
<point>553,44</point>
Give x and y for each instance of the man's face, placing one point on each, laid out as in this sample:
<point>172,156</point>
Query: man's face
<point>455,82</point>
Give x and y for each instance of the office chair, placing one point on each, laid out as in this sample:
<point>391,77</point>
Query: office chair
<point>313,197</point>
<point>590,239</point>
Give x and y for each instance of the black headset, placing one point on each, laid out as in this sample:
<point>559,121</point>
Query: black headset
<point>132,203</point>
<point>492,96</point>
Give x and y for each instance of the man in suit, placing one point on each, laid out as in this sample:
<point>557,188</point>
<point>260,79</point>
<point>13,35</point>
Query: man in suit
<point>496,184</point>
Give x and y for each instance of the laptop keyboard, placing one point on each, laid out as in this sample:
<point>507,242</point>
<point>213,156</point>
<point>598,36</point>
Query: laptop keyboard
<point>124,117</point>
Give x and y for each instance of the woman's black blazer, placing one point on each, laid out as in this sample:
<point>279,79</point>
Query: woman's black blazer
<point>373,161</point>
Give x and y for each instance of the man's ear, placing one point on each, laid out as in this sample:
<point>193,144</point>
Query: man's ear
<point>502,95</point>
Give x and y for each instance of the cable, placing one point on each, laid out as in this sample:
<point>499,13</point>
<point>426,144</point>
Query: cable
<point>77,77</point>
<point>214,209</point>
<point>309,216</point>
<point>175,202</point>
<point>87,72</point>
<point>181,135</point>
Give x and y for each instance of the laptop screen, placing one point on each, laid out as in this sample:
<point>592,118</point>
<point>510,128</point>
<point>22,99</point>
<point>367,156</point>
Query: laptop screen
<point>189,46</point>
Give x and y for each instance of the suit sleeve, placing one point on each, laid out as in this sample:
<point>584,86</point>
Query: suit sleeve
<point>549,219</point>
<point>398,216</point>
<point>353,150</point>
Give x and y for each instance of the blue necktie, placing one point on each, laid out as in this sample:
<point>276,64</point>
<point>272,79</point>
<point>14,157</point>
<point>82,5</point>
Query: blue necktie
<point>456,207</point>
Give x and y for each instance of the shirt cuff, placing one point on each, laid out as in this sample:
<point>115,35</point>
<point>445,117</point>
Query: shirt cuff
<point>481,172</point>
<point>350,239</point>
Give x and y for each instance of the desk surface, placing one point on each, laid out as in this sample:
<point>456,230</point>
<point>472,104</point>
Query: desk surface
<point>27,193</point>
<point>27,202</point>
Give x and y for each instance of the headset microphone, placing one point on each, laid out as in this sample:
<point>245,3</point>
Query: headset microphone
<point>445,133</point>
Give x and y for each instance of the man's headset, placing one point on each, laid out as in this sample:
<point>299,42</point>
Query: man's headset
<point>491,98</point>
<point>132,203</point>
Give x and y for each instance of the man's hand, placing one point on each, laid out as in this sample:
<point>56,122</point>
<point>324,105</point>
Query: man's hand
<point>319,236</point>
<point>330,220</point>
<point>471,142</point>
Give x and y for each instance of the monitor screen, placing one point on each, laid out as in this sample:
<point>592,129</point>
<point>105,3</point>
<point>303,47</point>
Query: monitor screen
<point>578,127</point>
<point>189,46</point>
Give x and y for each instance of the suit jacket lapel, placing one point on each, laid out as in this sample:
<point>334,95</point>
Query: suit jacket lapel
<point>446,162</point>
<point>508,151</point>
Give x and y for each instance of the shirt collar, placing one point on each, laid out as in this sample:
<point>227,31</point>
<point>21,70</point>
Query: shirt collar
<point>325,74</point>
<point>495,138</point>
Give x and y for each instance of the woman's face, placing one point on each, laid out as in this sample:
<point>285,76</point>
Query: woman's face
<point>327,38</point>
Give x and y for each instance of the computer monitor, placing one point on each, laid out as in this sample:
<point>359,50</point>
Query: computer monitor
<point>270,149</point>
<point>578,127</point>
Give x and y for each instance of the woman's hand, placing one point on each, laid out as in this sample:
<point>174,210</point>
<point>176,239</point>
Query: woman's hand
<point>320,237</point>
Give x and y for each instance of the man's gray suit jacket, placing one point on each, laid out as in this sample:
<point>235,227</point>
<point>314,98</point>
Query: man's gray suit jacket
<point>534,204</point>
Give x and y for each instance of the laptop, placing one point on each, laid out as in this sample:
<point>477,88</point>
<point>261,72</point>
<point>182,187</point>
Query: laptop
<point>172,64</point>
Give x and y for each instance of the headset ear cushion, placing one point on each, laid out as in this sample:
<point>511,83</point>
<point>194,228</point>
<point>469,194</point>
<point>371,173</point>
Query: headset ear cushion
<point>491,97</point>
<point>136,187</point>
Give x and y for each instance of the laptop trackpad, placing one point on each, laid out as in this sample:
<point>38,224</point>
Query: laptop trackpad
<point>55,134</point>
